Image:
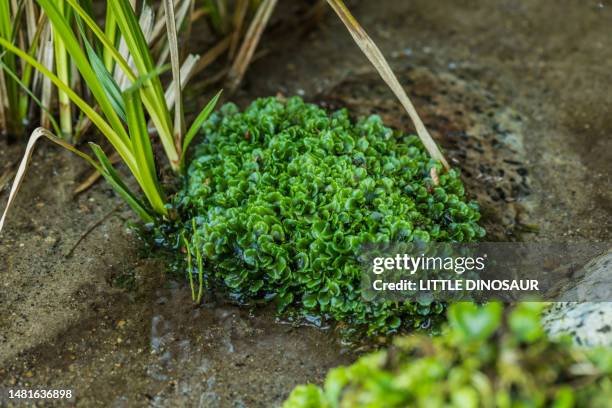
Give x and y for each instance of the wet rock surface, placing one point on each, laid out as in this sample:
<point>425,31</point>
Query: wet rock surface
<point>158,350</point>
<point>505,86</point>
<point>586,323</point>
<point>481,137</point>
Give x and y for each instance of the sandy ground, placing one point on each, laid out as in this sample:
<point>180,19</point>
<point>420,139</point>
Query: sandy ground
<point>516,91</point>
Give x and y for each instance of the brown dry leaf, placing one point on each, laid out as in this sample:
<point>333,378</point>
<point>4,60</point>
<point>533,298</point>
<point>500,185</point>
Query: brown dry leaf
<point>251,39</point>
<point>212,54</point>
<point>375,56</point>
<point>238,21</point>
<point>23,166</point>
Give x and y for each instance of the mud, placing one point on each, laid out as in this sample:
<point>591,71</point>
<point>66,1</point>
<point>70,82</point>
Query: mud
<point>515,91</point>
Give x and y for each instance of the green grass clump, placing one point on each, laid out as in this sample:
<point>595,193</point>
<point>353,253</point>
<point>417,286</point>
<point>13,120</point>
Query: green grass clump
<point>479,361</point>
<point>284,195</point>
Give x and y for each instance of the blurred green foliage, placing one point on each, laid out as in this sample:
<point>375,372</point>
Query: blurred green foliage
<point>284,195</point>
<point>479,361</point>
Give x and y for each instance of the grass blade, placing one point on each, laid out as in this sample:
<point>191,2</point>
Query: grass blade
<point>141,147</point>
<point>45,57</point>
<point>107,42</point>
<point>189,266</point>
<point>119,142</point>
<point>31,20</point>
<point>153,95</point>
<point>197,125</point>
<point>106,79</point>
<point>62,69</point>
<point>157,41</point>
<point>89,76</point>
<point>10,93</point>
<point>27,70</point>
<point>25,88</point>
<point>3,98</point>
<point>251,39</point>
<point>179,118</point>
<point>199,260</point>
<point>23,166</point>
<point>112,177</point>
<point>373,53</point>
<point>110,29</point>
<point>187,71</point>
<point>135,41</point>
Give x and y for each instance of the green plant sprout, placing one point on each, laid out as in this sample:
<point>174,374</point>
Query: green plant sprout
<point>62,67</point>
<point>122,119</point>
<point>197,298</point>
<point>283,195</point>
<point>11,114</point>
<point>123,80</point>
<point>195,243</point>
<point>480,360</point>
<point>26,25</point>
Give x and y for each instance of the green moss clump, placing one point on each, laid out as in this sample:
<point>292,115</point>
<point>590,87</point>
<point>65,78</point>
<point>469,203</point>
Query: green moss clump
<point>477,362</point>
<point>284,195</point>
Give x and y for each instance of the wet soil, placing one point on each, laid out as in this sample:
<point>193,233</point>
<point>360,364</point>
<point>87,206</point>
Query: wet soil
<point>515,91</point>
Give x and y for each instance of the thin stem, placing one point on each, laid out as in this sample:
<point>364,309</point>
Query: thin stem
<point>249,44</point>
<point>373,53</point>
<point>111,33</point>
<point>189,267</point>
<point>196,243</point>
<point>62,67</point>
<point>179,119</point>
<point>10,89</point>
<point>200,275</point>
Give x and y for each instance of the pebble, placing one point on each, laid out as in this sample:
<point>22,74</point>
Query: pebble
<point>583,311</point>
<point>50,240</point>
<point>588,324</point>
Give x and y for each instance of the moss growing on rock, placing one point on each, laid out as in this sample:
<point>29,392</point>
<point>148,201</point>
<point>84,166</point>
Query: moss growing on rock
<point>477,362</point>
<point>284,195</point>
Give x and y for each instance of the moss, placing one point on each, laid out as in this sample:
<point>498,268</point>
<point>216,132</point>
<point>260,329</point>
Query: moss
<point>478,362</point>
<point>284,195</point>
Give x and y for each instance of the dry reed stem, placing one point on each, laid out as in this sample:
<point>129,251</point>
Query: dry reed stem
<point>179,119</point>
<point>198,14</point>
<point>240,13</point>
<point>47,54</point>
<point>31,20</point>
<point>212,55</point>
<point>251,39</point>
<point>375,56</point>
<point>23,166</point>
<point>187,71</point>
